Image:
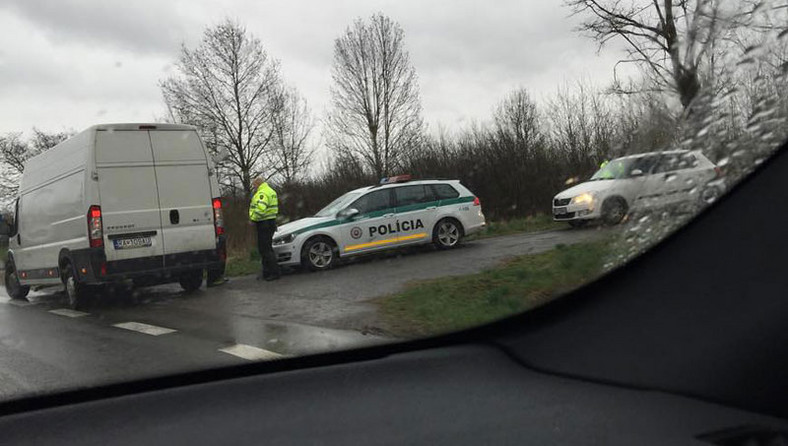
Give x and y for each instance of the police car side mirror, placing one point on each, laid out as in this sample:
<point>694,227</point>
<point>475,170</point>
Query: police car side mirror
<point>636,173</point>
<point>347,213</point>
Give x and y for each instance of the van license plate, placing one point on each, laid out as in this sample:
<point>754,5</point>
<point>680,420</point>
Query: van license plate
<point>131,243</point>
<point>560,211</point>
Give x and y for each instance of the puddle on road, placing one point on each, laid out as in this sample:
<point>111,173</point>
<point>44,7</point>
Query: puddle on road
<point>294,339</point>
<point>284,338</point>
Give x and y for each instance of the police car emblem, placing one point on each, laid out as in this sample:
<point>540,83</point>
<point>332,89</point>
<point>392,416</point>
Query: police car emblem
<point>356,232</point>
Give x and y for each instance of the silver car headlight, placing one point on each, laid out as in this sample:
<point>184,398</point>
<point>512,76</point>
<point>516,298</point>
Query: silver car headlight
<point>284,240</point>
<point>586,198</point>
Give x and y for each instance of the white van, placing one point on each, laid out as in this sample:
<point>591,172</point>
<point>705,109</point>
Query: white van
<point>117,203</point>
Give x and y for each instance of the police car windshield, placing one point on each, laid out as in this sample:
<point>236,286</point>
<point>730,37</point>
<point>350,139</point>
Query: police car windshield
<point>337,205</point>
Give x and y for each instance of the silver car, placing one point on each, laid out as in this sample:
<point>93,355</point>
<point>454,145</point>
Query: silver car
<point>642,181</point>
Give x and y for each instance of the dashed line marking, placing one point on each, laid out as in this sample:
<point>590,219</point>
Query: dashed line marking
<point>68,313</point>
<point>251,353</point>
<point>145,328</point>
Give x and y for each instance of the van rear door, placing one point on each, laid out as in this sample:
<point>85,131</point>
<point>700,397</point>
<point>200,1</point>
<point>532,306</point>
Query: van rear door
<point>184,192</point>
<point>129,196</point>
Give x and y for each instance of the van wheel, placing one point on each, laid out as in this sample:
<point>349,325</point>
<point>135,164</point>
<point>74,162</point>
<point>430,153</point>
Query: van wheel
<point>319,253</point>
<point>191,281</point>
<point>447,233</point>
<point>75,291</point>
<point>13,288</point>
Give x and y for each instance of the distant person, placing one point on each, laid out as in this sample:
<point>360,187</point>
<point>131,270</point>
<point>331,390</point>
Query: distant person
<point>262,212</point>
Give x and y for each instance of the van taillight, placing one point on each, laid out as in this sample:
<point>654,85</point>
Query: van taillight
<point>95,229</point>
<point>718,171</point>
<point>218,216</point>
<point>476,201</point>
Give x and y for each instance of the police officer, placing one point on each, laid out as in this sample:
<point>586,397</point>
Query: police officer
<point>262,212</point>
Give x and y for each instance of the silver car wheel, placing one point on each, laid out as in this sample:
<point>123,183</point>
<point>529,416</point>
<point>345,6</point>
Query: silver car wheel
<point>448,234</point>
<point>321,254</point>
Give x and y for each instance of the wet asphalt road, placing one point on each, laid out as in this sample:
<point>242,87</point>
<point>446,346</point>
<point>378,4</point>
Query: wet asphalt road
<point>44,347</point>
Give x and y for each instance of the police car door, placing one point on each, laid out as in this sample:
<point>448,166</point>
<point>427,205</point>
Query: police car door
<point>416,211</point>
<point>371,229</point>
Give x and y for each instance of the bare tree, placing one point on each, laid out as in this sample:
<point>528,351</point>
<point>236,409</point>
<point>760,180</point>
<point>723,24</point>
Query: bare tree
<point>292,125</point>
<point>671,39</point>
<point>15,151</point>
<point>376,114</point>
<point>515,118</point>
<point>580,125</point>
<point>224,88</point>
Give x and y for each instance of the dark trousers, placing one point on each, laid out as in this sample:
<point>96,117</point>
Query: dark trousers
<point>265,235</point>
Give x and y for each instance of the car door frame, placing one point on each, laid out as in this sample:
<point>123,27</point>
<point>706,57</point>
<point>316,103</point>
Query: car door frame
<point>410,215</point>
<point>673,181</point>
<point>356,234</point>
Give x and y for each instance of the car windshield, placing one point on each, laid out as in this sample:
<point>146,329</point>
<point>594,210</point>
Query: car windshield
<point>337,205</point>
<point>161,167</point>
<point>614,170</point>
<point>623,167</point>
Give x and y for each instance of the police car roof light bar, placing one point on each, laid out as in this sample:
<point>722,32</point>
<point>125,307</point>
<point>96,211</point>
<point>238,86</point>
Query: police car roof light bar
<point>396,179</point>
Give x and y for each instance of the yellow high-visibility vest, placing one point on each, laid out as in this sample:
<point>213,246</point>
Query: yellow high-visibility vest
<point>264,205</point>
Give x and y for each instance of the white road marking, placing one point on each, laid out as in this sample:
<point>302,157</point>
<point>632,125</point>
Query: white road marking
<point>68,313</point>
<point>145,328</point>
<point>251,353</point>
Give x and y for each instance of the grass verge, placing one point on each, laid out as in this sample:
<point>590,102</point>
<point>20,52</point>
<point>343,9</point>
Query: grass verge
<point>452,303</point>
<point>242,266</point>
<point>532,223</point>
<point>244,262</point>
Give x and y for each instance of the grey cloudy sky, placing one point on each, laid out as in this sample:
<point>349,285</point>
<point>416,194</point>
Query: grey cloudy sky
<point>70,64</point>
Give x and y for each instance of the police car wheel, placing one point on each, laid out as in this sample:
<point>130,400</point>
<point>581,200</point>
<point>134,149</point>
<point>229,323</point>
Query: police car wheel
<point>447,234</point>
<point>319,254</point>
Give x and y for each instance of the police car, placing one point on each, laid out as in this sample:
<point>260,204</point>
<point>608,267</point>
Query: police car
<point>397,212</point>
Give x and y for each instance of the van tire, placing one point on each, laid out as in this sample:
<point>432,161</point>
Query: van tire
<point>191,280</point>
<point>13,288</point>
<point>75,291</point>
<point>447,233</point>
<point>319,254</point>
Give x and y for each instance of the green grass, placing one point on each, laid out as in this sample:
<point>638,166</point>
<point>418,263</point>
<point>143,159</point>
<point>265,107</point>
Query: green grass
<point>241,262</point>
<point>532,223</point>
<point>453,303</point>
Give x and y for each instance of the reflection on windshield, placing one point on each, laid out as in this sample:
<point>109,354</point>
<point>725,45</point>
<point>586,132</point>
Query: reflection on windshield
<point>337,205</point>
<point>181,261</point>
<point>613,170</point>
